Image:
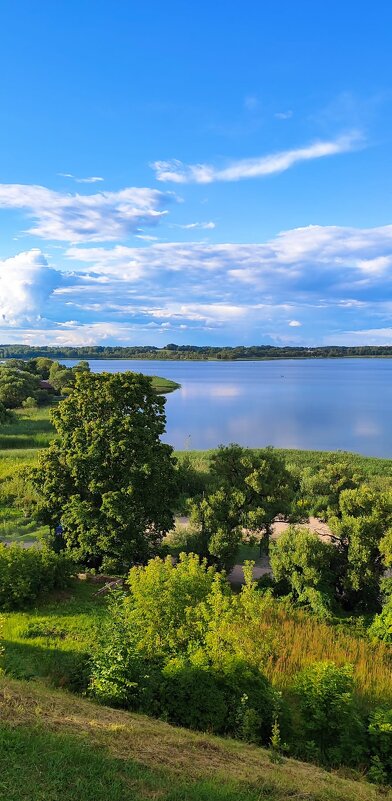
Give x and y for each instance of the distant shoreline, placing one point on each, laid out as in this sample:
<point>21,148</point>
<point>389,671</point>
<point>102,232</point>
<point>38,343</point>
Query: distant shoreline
<point>194,353</point>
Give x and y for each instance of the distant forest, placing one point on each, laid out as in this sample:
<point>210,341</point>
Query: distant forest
<point>195,352</point>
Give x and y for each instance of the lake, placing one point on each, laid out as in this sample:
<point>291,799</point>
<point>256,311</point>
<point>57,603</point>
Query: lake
<point>326,404</point>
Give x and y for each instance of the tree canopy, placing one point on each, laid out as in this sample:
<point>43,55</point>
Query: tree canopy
<point>107,477</point>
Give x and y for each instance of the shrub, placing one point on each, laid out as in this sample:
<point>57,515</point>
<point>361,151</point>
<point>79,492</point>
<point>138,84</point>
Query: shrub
<point>30,403</point>
<point>330,729</point>
<point>185,539</point>
<point>380,739</point>
<point>381,628</point>
<point>25,573</point>
<point>193,697</point>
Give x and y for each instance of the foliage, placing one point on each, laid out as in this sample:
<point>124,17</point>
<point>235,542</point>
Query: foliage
<point>162,651</point>
<point>380,737</point>
<point>30,403</point>
<point>16,385</point>
<point>365,515</point>
<point>107,476</point>
<point>249,490</point>
<point>173,351</point>
<point>381,626</point>
<point>330,727</point>
<point>301,562</point>
<point>6,416</point>
<point>322,488</point>
<point>25,573</point>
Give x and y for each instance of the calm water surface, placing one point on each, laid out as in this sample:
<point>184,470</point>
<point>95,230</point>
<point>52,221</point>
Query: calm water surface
<point>325,404</point>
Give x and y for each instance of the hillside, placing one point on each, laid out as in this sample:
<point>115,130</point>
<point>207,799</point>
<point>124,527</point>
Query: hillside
<point>57,746</point>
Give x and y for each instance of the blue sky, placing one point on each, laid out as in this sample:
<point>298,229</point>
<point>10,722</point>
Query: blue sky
<point>216,172</point>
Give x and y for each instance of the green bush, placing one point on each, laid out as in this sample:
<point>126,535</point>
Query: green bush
<point>380,739</point>
<point>26,573</point>
<point>330,729</point>
<point>381,627</point>
<point>185,539</point>
<point>193,697</point>
<point>30,403</point>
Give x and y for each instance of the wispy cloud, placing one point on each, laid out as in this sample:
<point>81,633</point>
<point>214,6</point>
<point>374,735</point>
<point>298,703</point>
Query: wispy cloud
<point>91,179</point>
<point>204,226</point>
<point>283,115</point>
<point>177,172</point>
<point>101,217</point>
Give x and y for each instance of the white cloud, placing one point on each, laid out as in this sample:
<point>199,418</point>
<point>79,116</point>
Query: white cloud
<point>92,179</point>
<point>26,283</point>
<point>370,336</point>
<point>311,280</point>
<point>105,216</point>
<point>315,258</point>
<point>283,115</point>
<point>205,226</point>
<point>176,172</point>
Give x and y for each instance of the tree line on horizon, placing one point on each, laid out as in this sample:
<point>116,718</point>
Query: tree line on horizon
<point>188,352</point>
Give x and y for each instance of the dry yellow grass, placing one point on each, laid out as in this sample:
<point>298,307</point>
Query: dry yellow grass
<point>302,640</point>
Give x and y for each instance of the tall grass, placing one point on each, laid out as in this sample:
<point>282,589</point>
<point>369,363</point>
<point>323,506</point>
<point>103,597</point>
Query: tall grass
<point>302,639</point>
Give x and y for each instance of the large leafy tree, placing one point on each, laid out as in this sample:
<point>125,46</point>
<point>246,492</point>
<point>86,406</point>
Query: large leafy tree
<point>301,563</point>
<point>107,477</point>
<point>249,490</point>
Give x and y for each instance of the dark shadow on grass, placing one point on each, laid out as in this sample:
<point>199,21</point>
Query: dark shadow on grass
<point>62,667</point>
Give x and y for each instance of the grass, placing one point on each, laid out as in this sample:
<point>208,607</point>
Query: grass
<point>47,642</point>
<point>164,385</point>
<point>58,747</point>
<point>369,466</point>
<point>301,639</point>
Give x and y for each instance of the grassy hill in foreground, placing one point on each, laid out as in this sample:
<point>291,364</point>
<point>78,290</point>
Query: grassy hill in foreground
<point>58,747</point>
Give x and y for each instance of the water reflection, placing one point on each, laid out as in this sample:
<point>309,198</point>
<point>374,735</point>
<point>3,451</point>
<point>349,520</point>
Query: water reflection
<point>325,404</point>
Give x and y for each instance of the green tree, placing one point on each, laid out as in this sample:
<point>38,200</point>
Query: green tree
<point>107,476</point>
<point>61,377</point>
<point>42,366</point>
<point>301,562</point>
<point>330,729</point>
<point>321,490</point>
<point>6,416</point>
<point>249,489</point>
<point>16,385</point>
<point>360,531</point>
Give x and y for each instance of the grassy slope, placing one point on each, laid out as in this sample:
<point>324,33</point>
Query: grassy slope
<point>59,747</point>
